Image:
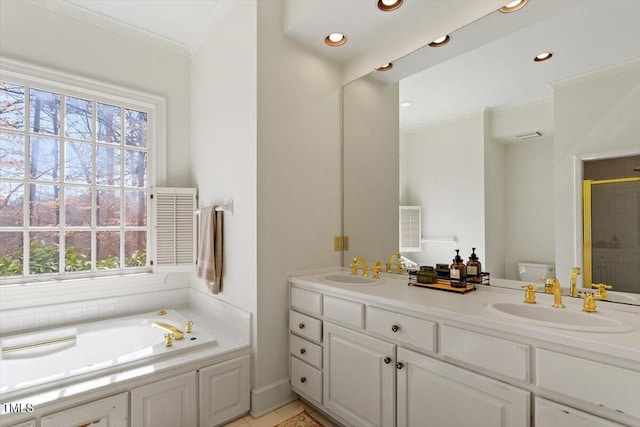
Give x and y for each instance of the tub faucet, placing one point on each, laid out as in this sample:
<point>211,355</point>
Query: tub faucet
<point>178,334</point>
<point>573,292</point>
<point>557,292</point>
<point>354,266</point>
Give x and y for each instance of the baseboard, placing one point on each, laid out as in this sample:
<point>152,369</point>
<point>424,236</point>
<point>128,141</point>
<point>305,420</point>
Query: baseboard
<point>271,397</point>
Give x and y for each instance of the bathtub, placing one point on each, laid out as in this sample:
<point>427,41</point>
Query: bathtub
<point>45,359</point>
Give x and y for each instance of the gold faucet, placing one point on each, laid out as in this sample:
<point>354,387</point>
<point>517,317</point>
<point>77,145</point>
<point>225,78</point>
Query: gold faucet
<point>399,264</point>
<point>178,334</point>
<point>530,293</point>
<point>589,305</point>
<point>376,269</point>
<point>557,292</point>
<point>601,292</point>
<point>354,266</point>
<point>573,292</point>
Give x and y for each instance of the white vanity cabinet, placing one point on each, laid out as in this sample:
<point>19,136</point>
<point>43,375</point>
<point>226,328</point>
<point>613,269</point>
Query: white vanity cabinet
<point>305,344</point>
<point>359,377</point>
<point>111,411</point>
<point>446,395</point>
<point>170,402</point>
<point>551,414</point>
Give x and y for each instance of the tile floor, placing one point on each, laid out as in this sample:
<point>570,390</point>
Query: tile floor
<point>273,418</point>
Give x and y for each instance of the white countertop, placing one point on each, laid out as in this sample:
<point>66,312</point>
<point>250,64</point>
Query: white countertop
<point>472,308</point>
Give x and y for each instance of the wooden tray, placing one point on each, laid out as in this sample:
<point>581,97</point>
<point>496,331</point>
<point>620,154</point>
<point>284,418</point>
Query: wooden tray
<point>445,285</point>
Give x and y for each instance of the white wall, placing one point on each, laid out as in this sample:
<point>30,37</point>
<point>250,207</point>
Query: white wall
<point>223,139</point>
<point>371,187</point>
<point>298,181</point>
<point>36,34</point>
<point>446,178</point>
<point>594,113</point>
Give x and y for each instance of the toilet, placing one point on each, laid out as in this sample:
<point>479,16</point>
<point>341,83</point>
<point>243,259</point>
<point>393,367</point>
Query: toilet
<point>533,272</point>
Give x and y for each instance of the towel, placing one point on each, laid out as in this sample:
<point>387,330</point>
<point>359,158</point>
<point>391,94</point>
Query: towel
<point>210,252</point>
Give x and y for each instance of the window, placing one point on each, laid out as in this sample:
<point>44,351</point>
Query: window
<point>74,180</point>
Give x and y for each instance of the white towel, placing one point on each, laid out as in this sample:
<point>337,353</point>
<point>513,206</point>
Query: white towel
<point>210,252</point>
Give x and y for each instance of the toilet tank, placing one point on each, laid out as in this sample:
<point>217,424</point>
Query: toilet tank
<point>532,272</point>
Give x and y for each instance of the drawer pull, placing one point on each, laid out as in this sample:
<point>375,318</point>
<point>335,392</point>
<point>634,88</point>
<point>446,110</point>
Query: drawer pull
<point>395,328</point>
<point>303,351</point>
<point>399,365</point>
<point>387,360</point>
<point>303,379</point>
<point>301,325</point>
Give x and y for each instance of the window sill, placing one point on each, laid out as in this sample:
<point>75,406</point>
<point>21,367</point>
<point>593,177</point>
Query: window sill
<point>63,291</point>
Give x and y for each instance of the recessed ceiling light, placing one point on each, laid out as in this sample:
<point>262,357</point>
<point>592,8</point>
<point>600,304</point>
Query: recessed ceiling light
<point>389,5</point>
<point>440,42</point>
<point>545,56</point>
<point>513,6</point>
<point>385,67</point>
<point>335,39</point>
<point>405,104</point>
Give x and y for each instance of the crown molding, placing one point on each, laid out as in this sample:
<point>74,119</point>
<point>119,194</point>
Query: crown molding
<point>611,70</point>
<point>429,123</point>
<point>213,20</point>
<point>120,27</point>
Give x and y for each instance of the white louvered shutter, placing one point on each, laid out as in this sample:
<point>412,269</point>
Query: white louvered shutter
<point>175,229</point>
<point>410,229</point>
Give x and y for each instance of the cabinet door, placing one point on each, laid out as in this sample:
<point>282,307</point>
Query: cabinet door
<point>109,412</point>
<point>432,393</point>
<point>166,403</point>
<point>359,377</point>
<point>551,414</point>
<point>224,391</point>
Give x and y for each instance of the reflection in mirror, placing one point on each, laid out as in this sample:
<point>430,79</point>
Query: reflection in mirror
<point>493,144</point>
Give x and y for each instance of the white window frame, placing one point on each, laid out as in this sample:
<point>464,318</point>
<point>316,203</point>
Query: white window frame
<point>43,78</point>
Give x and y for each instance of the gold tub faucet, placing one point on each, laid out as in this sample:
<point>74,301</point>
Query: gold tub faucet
<point>178,334</point>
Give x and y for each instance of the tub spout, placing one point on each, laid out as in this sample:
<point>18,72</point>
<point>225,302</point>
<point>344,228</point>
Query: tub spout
<point>170,329</point>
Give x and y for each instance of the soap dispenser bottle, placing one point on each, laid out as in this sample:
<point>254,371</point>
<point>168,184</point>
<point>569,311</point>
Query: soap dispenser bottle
<point>474,267</point>
<point>458,272</point>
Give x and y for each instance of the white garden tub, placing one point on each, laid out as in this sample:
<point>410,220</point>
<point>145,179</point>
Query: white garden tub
<point>45,359</point>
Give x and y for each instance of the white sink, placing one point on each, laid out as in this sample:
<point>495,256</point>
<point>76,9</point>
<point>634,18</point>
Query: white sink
<point>348,279</point>
<point>567,318</point>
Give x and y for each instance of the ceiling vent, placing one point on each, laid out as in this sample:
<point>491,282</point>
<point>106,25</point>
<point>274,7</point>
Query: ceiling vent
<point>529,135</point>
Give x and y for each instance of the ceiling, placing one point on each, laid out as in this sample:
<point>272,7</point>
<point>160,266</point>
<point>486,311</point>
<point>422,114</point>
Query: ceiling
<point>487,63</point>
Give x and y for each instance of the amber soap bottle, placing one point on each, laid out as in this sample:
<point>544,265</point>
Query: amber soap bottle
<point>474,267</point>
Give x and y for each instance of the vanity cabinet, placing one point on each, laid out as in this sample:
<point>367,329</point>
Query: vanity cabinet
<point>305,344</point>
<point>445,395</point>
<point>170,402</point>
<point>367,361</point>
<point>551,414</point>
<point>111,411</point>
<point>359,377</point>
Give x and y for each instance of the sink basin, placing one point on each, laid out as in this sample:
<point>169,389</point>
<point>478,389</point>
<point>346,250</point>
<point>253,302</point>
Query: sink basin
<point>347,279</point>
<point>568,318</point>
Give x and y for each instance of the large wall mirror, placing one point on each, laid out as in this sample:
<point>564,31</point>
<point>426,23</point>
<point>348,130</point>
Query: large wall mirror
<point>492,145</point>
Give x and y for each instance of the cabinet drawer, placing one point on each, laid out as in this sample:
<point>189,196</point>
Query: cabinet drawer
<point>552,414</point>
<point>306,350</point>
<point>497,355</point>
<point>597,383</point>
<point>347,312</point>
<point>306,380</point>
<point>308,301</point>
<point>305,326</point>
<point>411,330</point>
